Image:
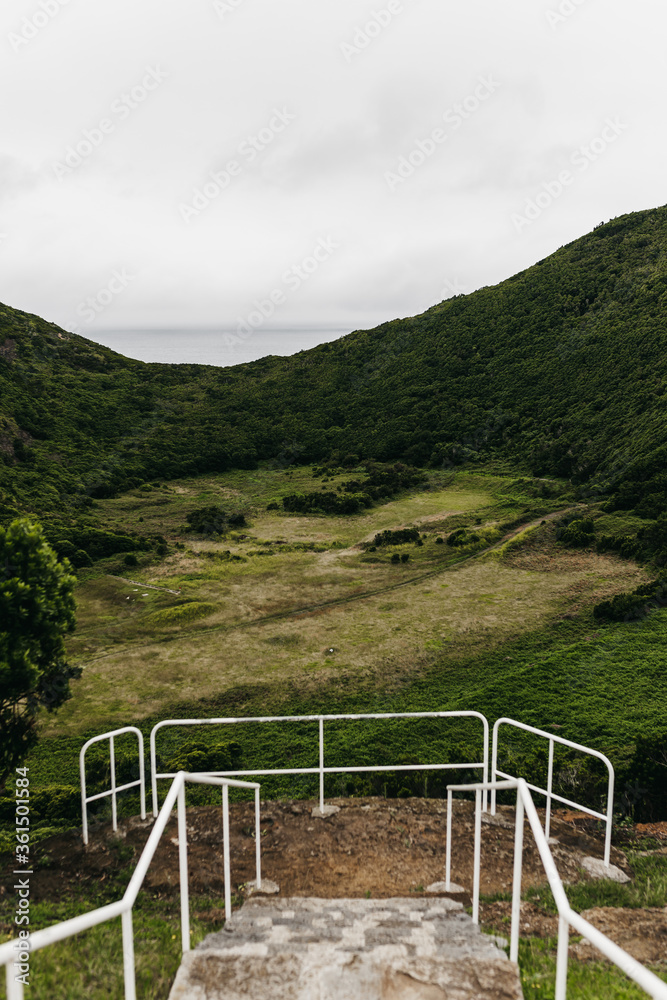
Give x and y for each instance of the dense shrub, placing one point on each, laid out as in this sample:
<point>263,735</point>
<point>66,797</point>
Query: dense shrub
<point>643,788</point>
<point>326,502</point>
<point>628,607</point>
<point>577,534</point>
<point>213,520</point>
<point>197,755</point>
<point>462,536</point>
<point>400,537</point>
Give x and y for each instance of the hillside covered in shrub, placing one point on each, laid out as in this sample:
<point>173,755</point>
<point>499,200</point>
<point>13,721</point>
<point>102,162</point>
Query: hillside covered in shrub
<point>562,369</point>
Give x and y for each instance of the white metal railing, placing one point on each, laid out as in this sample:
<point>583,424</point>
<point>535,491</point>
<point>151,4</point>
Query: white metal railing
<point>567,917</point>
<point>115,789</point>
<point>123,907</point>
<point>607,816</point>
<point>483,765</point>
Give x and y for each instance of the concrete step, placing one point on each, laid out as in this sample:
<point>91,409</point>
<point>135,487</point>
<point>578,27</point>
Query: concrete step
<point>348,949</point>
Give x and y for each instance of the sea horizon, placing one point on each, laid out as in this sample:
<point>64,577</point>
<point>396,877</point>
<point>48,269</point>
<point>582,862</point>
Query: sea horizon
<point>219,346</point>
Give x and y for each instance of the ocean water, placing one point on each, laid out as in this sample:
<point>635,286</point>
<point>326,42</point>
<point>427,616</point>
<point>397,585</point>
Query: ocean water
<point>211,347</point>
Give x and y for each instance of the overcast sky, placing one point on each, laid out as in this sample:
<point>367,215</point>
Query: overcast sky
<point>372,158</point>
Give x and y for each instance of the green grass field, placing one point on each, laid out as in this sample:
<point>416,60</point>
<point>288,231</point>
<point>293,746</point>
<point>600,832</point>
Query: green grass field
<point>304,600</point>
<point>306,620</point>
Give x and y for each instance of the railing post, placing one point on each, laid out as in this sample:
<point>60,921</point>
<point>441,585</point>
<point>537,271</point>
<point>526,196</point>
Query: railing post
<point>321,765</point>
<point>485,768</point>
<point>478,856</point>
<point>494,767</point>
<point>153,756</point>
<point>128,956</point>
<point>112,760</point>
<point>258,846</point>
<point>516,884</point>
<point>183,868</point>
<point>142,776</point>
<point>448,848</point>
<point>550,779</point>
<point>14,989</point>
<point>84,803</point>
<point>561,958</point>
<point>610,817</point>
<point>225,838</point>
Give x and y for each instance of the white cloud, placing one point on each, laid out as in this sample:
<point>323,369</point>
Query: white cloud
<point>325,173</point>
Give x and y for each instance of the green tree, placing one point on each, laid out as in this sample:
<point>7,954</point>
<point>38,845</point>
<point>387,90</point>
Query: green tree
<point>36,611</point>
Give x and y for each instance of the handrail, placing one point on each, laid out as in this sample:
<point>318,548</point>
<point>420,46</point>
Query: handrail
<point>567,917</point>
<point>321,769</point>
<point>123,907</point>
<point>495,773</point>
<point>113,791</point>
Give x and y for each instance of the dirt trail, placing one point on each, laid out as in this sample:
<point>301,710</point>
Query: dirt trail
<point>385,847</point>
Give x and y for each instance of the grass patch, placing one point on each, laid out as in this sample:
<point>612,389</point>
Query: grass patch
<point>648,888</point>
<point>182,614</point>
<point>585,980</point>
<point>90,965</point>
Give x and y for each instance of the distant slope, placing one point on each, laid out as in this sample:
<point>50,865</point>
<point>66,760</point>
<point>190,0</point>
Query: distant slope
<point>562,368</point>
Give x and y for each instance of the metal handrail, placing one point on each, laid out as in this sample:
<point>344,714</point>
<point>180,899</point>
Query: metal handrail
<point>123,907</point>
<point>321,769</point>
<point>550,795</point>
<point>114,790</point>
<point>567,917</point>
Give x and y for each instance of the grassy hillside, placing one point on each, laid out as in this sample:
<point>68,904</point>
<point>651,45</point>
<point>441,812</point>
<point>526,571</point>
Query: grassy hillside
<point>296,614</point>
<point>562,369</point>
<point>546,390</point>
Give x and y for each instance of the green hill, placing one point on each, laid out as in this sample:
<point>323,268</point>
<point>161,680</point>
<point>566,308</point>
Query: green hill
<point>561,369</point>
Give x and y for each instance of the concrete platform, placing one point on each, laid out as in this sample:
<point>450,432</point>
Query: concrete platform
<point>348,949</point>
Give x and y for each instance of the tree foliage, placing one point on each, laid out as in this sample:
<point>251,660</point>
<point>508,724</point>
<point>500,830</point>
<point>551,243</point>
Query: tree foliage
<point>36,611</point>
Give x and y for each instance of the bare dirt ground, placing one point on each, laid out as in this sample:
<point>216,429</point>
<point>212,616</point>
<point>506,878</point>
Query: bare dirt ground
<point>382,847</point>
<point>372,847</point>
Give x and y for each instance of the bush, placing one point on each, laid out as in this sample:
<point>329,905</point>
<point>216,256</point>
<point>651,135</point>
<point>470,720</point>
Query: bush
<point>636,605</point>
<point>131,560</point>
<point>645,795</point>
<point>400,537</point>
<point>197,755</point>
<point>395,558</point>
<point>404,557</point>
<point>53,803</point>
<point>462,537</point>
<point>578,534</point>
<point>326,502</point>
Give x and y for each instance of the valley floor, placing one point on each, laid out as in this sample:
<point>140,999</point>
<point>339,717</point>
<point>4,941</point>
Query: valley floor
<point>302,600</point>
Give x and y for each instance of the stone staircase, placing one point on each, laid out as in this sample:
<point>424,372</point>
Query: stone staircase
<point>348,949</point>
